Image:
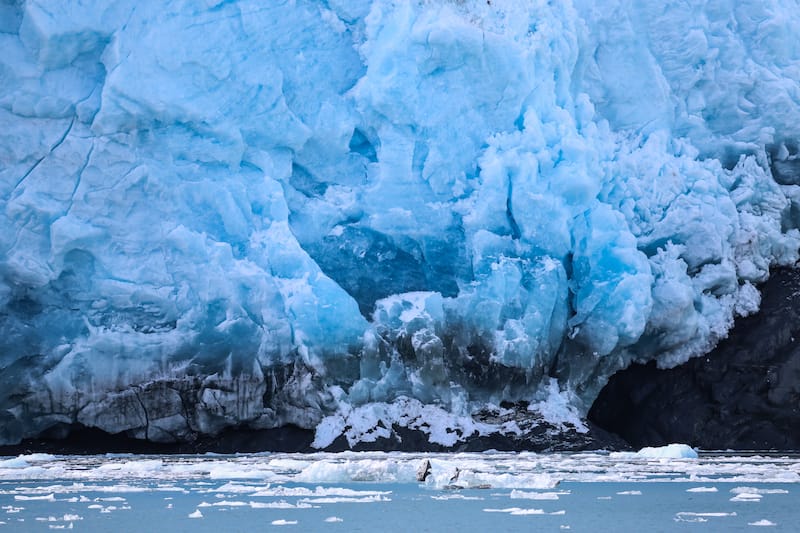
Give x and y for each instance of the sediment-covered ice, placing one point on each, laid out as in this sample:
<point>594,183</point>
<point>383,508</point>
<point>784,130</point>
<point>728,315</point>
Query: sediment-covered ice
<point>256,214</point>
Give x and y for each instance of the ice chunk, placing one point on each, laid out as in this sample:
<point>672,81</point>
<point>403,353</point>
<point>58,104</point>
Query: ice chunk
<point>686,516</point>
<point>516,511</point>
<point>747,497</point>
<point>671,451</point>
<point>702,489</point>
<point>523,495</point>
<point>757,490</point>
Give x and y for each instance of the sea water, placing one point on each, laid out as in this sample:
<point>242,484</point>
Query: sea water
<point>380,492</point>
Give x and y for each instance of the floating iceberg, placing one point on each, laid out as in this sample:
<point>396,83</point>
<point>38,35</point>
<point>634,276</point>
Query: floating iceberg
<point>670,451</point>
<point>239,214</point>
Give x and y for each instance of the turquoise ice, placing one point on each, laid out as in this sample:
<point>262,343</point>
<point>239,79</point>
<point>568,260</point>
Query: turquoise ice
<point>253,214</point>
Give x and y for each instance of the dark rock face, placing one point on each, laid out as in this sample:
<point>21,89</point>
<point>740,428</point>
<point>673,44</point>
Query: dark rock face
<point>743,395</point>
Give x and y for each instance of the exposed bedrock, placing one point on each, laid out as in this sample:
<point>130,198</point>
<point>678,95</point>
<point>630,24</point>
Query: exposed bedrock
<point>743,395</point>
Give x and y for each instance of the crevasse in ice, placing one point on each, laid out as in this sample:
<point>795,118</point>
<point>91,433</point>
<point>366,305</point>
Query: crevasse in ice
<point>243,213</point>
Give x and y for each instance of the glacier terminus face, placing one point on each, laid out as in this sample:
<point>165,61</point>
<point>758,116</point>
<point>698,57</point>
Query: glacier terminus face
<point>349,215</point>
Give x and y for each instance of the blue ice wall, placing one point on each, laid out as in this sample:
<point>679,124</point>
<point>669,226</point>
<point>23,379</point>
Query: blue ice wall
<point>257,213</point>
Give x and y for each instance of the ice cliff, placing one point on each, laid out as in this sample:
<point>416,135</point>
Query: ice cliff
<point>350,214</point>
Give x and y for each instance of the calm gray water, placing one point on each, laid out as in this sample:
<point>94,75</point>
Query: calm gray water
<point>379,492</point>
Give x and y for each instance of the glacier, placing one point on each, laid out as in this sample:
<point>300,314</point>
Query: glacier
<point>239,214</point>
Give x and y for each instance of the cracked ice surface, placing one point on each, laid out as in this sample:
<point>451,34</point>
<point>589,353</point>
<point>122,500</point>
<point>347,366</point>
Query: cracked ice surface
<point>237,213</point>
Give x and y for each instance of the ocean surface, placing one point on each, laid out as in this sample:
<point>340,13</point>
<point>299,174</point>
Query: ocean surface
<point>489,491</point>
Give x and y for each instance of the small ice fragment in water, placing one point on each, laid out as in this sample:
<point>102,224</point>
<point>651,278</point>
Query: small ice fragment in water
<point>282,522</point>
<point>702,489</point>
<point>747,497</point>
<point>630,493</point>
<point>332,519</point>
<point>196,514</point>
<point>762,523</point>
<point>670,451</point>
<point>455,497</point>
<point>515,511</point>
<point>754,490</point>
<point>687,516</point>
<point>345,499</point>
<point>522,495</point>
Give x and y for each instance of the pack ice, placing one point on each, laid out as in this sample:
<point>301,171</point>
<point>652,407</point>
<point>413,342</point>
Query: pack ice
<point>252,214</point>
